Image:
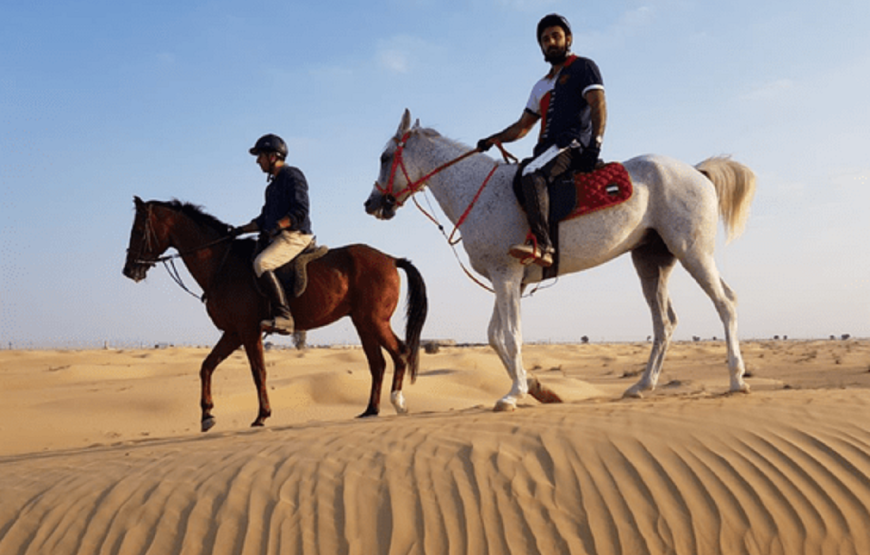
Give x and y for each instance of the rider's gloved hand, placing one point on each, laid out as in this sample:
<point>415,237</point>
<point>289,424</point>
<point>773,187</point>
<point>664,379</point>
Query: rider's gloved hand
<point>588,159</point>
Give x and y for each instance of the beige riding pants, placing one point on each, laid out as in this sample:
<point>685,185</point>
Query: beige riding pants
<point>283,248</point>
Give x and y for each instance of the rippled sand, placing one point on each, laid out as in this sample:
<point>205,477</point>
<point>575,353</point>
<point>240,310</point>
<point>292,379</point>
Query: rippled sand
<point>100,453</point>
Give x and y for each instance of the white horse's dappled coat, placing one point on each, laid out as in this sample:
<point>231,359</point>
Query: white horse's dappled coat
<point>672,216</point>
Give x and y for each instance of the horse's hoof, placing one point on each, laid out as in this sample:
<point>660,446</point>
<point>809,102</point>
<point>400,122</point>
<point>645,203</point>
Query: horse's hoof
<point>208,423</point>
<point>632,393</point>
<point>368,414</point>
<point>398,401</point>
<point>258,423</point>
<point>541,393</point>
<point>742,388</point>
<point>504,405</point>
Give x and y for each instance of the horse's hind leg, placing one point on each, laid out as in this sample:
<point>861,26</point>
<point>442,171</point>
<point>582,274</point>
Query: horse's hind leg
<point>228,343</point>
<point>398,352</point>
<point>377,367</point>
<point>254,351</point>
<point>703,269</point>
<point>654,264</point>
<point>375,335</point>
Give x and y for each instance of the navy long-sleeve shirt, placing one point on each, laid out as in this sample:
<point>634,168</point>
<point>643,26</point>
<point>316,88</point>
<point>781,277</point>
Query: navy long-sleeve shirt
<point>286,195</point>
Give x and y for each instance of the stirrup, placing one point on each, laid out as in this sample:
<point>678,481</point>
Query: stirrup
<point>281,326</point>
<point>529,253</point>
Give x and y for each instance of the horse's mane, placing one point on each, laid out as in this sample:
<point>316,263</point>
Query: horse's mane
<point>198,215</point>
<point>432,133</point>
<point>241,246</point>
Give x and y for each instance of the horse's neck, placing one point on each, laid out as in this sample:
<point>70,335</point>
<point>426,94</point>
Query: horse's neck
<point>455,187</point>
<point>188,238</point>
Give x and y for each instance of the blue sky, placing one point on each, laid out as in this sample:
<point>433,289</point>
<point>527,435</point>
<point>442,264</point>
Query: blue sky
<point>100,101</point>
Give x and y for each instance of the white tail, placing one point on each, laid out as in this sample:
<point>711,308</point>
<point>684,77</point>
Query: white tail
<point>735,187</point>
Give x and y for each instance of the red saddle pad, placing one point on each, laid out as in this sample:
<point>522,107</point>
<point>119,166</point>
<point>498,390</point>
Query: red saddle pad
<point>607,186</point>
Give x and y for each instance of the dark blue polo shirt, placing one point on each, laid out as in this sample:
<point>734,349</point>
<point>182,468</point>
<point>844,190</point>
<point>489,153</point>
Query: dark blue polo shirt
<point>567,115</point>
<point>286,195</point>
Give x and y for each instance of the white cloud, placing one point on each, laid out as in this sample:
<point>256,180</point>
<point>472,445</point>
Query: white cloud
<point>394,60</point>
<point>769,91</point>
<point>402,53</point>
<point>636,18</point>
<point>629,24</point>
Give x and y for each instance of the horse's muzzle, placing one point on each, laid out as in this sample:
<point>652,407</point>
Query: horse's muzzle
<point>381,206</point>
<point>135,271</point>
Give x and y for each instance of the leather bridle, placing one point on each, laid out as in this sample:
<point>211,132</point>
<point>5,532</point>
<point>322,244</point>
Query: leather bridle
<point>392,198</point>
<point>395,198</point>
<point>149,236</point>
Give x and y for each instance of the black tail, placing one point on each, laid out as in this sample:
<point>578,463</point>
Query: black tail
<point>418,306</point>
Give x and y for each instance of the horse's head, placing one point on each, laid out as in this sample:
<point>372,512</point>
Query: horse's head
<point>149,239</point>
<point>394,185</point>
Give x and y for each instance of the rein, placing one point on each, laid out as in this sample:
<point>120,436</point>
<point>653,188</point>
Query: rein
<point>168,260</point>
<point>415,186</point>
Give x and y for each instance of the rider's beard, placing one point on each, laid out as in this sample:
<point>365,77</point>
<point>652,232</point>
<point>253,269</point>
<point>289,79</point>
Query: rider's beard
<point>556,55</point>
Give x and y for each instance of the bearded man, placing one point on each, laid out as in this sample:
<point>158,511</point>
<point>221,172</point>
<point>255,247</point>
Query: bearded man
<point>569,102</point>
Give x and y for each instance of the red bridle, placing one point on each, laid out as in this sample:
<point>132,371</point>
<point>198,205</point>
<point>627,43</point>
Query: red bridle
<point>414,186</point>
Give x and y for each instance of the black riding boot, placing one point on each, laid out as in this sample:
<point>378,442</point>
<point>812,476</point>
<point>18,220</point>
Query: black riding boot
<point>282,320</point>
<point>537,207</point>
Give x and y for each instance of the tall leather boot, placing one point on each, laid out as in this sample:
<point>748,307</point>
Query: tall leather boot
<point>282,320</point>
<point>537,206</point>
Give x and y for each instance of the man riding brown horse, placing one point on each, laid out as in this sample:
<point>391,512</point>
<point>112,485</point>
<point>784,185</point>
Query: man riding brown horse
<point>285,224</point>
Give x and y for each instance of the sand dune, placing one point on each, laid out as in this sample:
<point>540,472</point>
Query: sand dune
<point>100,453</point>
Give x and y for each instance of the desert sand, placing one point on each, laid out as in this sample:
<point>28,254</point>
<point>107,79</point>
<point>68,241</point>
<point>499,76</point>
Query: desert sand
<point>100,452</point>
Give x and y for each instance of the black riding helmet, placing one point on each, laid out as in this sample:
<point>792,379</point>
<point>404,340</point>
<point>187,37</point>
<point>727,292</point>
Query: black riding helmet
<point>270,143</point>
<point>553,20</point>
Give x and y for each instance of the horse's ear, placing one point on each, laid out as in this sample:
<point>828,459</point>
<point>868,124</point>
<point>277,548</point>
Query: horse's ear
<point>138,201</point>
<point>405,124</point>
<point>417,124</point>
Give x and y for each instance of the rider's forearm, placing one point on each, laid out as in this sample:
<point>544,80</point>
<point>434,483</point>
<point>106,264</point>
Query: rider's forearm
<point>510,134</point>
<point>598,113</point>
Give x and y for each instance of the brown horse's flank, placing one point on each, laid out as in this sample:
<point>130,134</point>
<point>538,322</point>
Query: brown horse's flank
<point>357,281</point>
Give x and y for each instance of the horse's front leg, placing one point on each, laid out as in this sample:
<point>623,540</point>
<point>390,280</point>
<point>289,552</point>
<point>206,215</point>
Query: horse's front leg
<point>254,351</point>
<point>228,343</point>
<point>505,336</point>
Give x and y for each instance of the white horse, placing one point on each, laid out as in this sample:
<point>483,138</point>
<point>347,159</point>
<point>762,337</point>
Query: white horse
<point>671,216</point>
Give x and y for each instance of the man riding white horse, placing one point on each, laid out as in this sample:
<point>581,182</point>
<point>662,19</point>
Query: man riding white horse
<point>570,103</point>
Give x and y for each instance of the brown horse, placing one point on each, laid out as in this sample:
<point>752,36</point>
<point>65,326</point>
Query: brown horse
<point>357,281</point>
